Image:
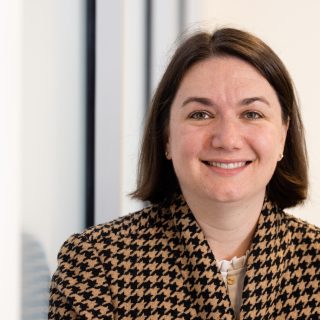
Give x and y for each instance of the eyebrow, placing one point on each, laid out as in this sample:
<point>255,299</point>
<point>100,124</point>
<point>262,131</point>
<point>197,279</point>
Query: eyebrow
<point>210,103</point>
<point>248,101</point>
<point>201,100</point>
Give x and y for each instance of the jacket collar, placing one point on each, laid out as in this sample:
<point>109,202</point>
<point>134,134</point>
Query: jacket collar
<point>264,265</point>
<point>266,261</point>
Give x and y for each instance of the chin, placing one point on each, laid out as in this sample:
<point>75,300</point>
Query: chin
<point>233,196</point>
<point>226,197</point>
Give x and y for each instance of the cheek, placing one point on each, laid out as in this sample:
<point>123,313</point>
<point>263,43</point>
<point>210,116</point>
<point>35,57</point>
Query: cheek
<point>268,144</point>
<point>185,142</point>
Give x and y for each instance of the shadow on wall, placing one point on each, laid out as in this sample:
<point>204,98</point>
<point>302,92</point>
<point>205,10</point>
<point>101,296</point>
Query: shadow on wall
<point>35,280</point>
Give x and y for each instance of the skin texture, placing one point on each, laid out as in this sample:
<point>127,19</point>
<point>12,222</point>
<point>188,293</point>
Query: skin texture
<point>226,136</point>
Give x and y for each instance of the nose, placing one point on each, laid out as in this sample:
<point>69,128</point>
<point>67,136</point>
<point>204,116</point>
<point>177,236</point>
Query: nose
<point>227,135</point>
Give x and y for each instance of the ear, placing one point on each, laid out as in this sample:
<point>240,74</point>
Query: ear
<point>168,148</point>
<point>285,128</point>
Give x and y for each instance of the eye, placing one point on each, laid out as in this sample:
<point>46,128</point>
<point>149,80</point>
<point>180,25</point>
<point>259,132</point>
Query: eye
<point>200,115</point>
<point>253,115</point>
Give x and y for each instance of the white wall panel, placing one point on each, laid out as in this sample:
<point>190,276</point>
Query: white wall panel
<point>10,159</point>
<point>165,31</point>
<point>53,121</point>
<point>52,141</point>
<point>109,99</point>
<point>133,103</point>
<point>120,104</point>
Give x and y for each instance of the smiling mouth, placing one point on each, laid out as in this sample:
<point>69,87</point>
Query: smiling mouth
<point>227,165</point>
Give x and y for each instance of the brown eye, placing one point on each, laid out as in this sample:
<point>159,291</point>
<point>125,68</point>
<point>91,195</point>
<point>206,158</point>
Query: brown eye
<point>200,115</point>
<point>253,115</point>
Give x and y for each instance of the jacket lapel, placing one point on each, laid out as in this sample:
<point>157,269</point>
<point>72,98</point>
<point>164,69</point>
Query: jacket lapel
<point>203,282</point>
<point>264,266</point>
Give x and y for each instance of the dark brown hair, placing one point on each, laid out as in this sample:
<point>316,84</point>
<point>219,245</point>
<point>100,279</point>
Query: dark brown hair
<point>157,181</point>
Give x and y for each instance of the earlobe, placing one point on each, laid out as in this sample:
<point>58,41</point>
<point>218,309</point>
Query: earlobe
<point>167,150</point>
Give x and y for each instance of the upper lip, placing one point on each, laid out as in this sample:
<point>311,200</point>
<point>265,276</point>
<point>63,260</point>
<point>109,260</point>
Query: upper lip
<point>228,161</point>
<point>229,164</point>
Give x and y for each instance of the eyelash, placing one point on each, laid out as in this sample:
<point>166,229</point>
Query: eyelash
<point>200,115</point>
<point>204,115</point>
<point>254,115</point>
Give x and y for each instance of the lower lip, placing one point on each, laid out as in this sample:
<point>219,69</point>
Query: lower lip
<point>227,172</point>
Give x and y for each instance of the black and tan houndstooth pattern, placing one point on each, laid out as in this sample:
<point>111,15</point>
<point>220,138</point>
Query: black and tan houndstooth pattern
<point>156,264</point>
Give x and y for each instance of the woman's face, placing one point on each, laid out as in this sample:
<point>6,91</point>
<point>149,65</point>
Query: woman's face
<point>226,132</point>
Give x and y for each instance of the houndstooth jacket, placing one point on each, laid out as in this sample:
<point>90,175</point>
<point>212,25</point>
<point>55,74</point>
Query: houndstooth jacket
<point>156,264</point>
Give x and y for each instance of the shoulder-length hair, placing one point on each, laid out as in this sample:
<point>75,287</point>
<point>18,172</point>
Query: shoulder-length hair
<point>157,181</point>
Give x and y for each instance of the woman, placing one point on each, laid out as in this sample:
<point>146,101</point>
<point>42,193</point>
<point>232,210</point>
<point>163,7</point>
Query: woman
<point>223,154</point>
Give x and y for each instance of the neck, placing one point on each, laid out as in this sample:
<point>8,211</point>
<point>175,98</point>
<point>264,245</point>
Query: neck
<point>228,227</point>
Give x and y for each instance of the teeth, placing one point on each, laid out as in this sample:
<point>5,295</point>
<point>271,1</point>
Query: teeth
<point>232,165</point>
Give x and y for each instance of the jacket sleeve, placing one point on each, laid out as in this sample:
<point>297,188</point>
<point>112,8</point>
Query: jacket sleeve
<point>78,288</point>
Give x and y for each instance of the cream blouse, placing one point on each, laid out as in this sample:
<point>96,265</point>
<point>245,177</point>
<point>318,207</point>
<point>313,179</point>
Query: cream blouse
<point>233,273</point>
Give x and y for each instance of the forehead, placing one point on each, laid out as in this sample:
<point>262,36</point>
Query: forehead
<point>224,80</point>
<point>217,70</point>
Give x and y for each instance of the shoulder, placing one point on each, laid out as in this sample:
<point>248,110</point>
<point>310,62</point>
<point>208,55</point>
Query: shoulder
<point>150,220</point>
<point>301,232</point>
<point>153,220</point>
